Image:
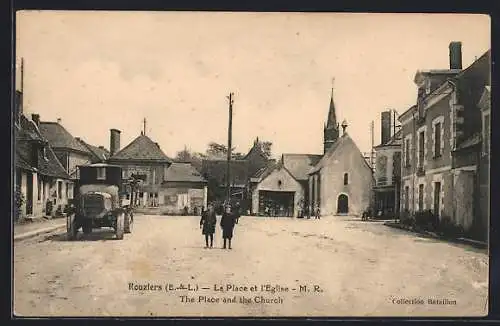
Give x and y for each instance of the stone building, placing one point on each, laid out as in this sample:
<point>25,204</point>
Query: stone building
<point>184,190</point>
<point>387,172</point>
<point>484,161</point>
<point>281,189</point>
<point>144,159</point>
<point>341,181</point>
<point>40,179</point>
<point>442,141</point>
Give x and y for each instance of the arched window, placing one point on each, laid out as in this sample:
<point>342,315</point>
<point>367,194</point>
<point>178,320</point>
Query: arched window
<point>346,178</point>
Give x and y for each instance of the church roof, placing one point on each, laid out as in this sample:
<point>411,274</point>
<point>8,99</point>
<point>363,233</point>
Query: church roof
<point>300,164</point>
<point>345,138</point>
<point>331,121</point>
<point>141,149</point>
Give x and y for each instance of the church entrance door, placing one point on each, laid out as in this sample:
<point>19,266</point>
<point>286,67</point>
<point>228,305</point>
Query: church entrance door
<point>342,204</point>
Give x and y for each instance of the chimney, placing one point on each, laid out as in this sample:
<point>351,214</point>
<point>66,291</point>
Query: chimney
<point>101,147</point>
<point>385,127</point>
<point>59,120</point>
<point>36,119</point>
<point>455,55</point>
<point>114,141</point>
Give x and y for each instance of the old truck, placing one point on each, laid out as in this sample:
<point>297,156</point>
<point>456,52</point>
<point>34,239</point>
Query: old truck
<point>102,199</point>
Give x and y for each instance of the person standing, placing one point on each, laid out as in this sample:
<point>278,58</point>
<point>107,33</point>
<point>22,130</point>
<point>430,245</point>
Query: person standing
<point>237,213</point>
<point>318,212</point>
<point>227,222</point>
<point>207,223</point>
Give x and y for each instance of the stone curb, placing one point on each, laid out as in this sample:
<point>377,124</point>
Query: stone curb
<point>470,242</point>
<point>34,233</point>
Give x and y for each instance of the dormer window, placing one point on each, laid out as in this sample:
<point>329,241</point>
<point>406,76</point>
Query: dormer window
<point>101,174</point>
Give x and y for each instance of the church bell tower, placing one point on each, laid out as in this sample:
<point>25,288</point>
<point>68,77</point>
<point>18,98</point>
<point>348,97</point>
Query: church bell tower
<point>331,129</point>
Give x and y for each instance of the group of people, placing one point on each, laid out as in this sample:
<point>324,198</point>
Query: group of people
<point>228,220</point>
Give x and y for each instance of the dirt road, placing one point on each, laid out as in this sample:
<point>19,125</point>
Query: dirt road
<point>336,266</point>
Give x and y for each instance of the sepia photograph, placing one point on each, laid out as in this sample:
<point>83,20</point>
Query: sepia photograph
<point>250,164</point>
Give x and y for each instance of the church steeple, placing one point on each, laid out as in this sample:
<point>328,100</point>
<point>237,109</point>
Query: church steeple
<point>331,130</point>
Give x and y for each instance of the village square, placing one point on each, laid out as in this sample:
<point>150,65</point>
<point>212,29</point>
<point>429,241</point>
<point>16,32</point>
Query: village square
<point>396,229</point>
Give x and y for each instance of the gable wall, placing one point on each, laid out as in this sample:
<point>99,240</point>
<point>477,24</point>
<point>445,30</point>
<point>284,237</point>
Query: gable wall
<point>347,159</point>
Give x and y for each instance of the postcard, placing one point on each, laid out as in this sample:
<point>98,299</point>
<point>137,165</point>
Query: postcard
<point>251,164</point>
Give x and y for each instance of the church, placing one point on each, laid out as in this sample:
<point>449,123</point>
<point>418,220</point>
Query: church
<point>340,182</point>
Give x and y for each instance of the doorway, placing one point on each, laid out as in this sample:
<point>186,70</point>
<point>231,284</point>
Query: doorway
<point>276,203</point>
<point>342,204</point>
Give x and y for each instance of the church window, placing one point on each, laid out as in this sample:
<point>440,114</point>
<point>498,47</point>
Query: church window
<point>346,179</point>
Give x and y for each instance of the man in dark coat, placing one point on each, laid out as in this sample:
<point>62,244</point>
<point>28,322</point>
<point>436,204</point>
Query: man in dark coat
<point>227,224</point>
<point>237,212</point>
<point>207,223</point>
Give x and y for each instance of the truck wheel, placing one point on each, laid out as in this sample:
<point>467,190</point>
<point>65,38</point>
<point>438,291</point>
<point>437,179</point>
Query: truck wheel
<point>71,227</point>
<point>87,227</point>
<point>129,222</point>
<point>120,226</point>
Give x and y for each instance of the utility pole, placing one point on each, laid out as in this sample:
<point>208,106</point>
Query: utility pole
<point>229,146</point>
<point>22,75</point>
<point>372,153</point>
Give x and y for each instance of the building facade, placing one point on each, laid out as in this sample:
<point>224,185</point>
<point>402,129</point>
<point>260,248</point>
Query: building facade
<point>184,190</point>
<point>281,189</point>
<point>42,185</point>
<point>441,138</point>
<point>387,172</point>
<point>142,159</point>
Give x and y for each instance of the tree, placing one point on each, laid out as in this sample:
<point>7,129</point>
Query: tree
<point>266,147</point>
<point>184,156</point>
<point>219,151</point>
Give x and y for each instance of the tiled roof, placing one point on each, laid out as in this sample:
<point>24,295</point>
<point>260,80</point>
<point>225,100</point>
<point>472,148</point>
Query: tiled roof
<point>28,136</point>
<point>99,153</point>
<point>183,172</point>
<point>59,137</point>
<point>262,173</point>
<point>216,170</point>
<point>395,140</point>
<point>51,166</point>
<point>345,138</point>
<point>21,162</point>
<point>299,165</point>
<point>141,149</point>
<point>256,158</point>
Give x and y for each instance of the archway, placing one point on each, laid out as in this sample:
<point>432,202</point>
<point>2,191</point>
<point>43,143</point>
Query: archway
<point>342,204</point>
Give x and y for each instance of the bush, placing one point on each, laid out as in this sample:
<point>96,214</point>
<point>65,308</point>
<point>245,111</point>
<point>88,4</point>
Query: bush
<point>19,201</point>
<point>48,208</point>
<point>406,218</point>
<point>448,228</point>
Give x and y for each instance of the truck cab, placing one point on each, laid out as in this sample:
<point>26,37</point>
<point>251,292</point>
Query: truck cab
<point>102,199</point>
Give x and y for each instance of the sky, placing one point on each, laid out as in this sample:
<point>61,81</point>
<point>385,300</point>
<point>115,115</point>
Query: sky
<point>101,70</point>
